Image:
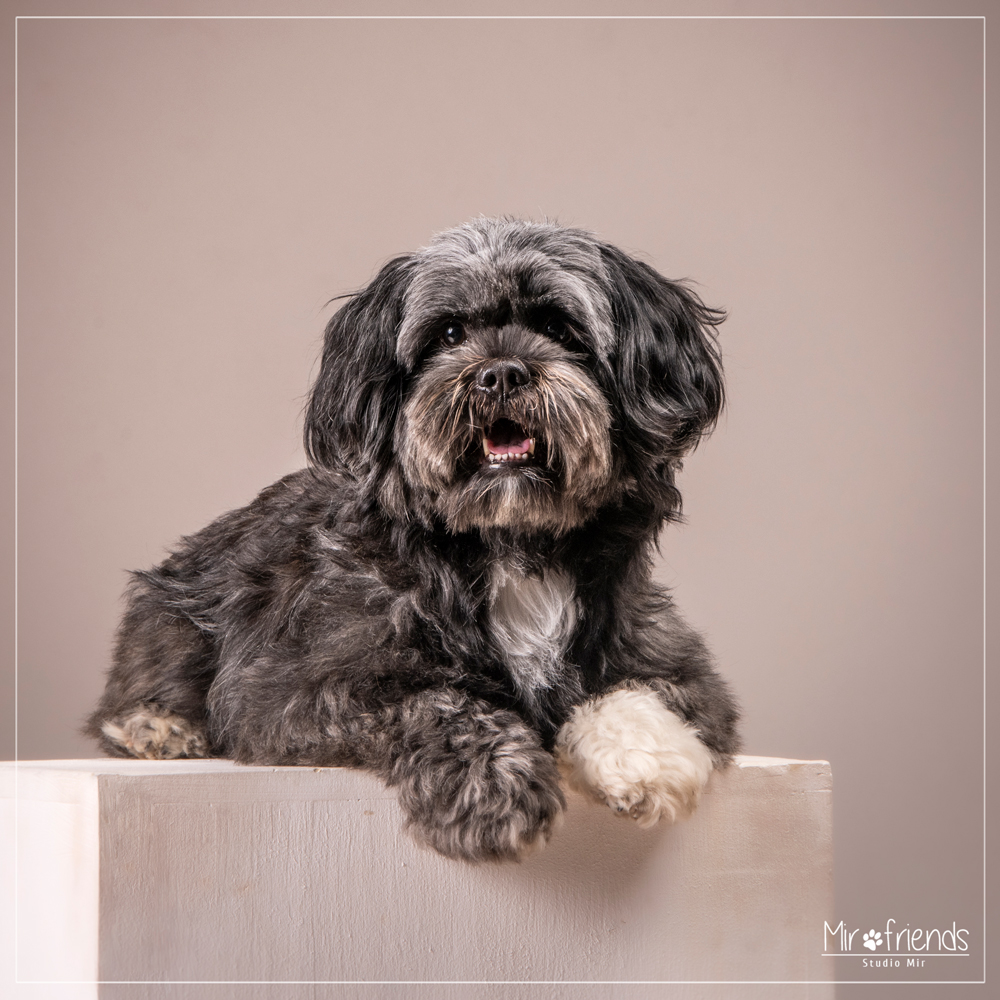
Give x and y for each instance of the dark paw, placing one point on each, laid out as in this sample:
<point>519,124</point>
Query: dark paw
<point>478,785</point>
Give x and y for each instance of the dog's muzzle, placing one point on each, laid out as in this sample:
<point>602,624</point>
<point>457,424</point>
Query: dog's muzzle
<point>506,442</point>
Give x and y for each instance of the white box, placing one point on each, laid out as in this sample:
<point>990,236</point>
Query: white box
<point>204,871</point>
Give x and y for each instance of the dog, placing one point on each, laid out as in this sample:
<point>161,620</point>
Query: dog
<point>456,594</point>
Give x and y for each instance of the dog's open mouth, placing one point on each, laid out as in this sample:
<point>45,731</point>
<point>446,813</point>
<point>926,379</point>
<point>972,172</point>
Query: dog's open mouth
<point>508,443</point>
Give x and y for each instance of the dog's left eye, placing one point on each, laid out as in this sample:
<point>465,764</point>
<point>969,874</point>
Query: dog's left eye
<point>558,330</point>
<point>453,334</point>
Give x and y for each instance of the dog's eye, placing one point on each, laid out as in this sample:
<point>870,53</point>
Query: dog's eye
<point>453,334</point>
<point>558,330</point>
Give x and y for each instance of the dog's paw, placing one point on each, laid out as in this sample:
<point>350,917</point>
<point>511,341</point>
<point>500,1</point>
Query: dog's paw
<point>629,750</point>
<point>155,734</point>
<point>488,792</point>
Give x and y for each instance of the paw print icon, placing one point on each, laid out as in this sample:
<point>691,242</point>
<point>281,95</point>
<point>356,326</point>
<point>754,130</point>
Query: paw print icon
<point>872,939</point>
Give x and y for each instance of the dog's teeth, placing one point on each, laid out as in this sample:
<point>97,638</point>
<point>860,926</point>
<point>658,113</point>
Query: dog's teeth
<point>486,446</point>
<point>506,457</point>
<point>531,446</point>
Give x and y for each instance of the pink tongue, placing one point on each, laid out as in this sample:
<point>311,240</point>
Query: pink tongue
<point>509,447</point>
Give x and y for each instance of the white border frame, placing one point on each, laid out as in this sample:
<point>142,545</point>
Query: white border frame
<point>491,17</point>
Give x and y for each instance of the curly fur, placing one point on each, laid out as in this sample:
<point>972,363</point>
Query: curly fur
<point>461,578</point>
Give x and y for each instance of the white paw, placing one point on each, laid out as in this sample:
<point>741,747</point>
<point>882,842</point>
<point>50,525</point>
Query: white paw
<point>629,750</point>
<point>156,735</point>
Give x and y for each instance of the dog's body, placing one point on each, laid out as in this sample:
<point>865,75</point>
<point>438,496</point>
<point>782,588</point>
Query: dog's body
<point>457,592</point>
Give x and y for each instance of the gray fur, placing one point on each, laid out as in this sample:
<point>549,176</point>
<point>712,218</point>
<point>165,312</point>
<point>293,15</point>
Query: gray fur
<point>410,605</point>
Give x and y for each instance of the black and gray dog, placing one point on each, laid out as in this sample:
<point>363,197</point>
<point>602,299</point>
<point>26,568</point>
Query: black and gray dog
<point>456,594</point>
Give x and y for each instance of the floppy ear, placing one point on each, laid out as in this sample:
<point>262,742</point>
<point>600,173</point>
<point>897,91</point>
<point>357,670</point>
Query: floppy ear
<point>667,363</point>
<point>353,406</point>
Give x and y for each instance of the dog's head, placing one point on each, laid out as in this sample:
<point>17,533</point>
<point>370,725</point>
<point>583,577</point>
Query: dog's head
<point>516,375</point>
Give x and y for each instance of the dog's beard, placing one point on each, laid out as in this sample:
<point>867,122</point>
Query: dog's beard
<point>537,461</point>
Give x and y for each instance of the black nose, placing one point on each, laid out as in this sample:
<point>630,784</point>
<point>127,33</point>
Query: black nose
<point>502,376</point>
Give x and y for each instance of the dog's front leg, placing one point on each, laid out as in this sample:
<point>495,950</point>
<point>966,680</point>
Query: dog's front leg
<point>627,749</point>
<point>474,781</point>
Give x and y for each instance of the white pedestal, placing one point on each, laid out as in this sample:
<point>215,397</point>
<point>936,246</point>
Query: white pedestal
<point>194,872</point>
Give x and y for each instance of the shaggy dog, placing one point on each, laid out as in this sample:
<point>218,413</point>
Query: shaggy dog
<point>456,594</point>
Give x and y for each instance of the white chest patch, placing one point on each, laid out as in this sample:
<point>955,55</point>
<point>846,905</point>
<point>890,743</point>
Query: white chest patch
<point>532,619</point>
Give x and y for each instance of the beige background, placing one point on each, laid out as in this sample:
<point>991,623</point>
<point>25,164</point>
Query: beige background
<point>191,193</point>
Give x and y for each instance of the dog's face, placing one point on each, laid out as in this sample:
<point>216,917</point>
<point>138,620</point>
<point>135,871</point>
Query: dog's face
<point>515,375</point>
<point>505,423</point>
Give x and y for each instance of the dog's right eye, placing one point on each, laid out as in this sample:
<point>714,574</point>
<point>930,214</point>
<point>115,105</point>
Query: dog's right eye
<point>453,334</point>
